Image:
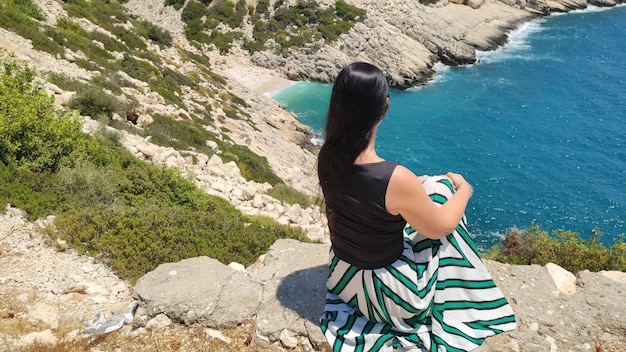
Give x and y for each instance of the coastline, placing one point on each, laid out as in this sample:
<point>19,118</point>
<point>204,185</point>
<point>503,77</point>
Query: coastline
<point>261,80</point>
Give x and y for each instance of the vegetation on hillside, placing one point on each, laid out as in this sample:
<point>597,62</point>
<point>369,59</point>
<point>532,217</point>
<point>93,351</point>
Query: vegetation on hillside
<point>303,26</point>
<point>131,214</point>
<point>565,248</point>
<point>123,47</point>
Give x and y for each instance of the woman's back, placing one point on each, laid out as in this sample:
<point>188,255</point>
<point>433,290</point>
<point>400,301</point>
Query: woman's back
<point>363,233</point>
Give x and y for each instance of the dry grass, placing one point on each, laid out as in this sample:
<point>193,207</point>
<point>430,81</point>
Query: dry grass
<point>176,337</point>
<point>173,338</point>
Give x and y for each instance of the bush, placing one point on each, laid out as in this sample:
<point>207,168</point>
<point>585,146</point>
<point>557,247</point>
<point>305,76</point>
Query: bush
<point>180,135</point>
<point>193,11</point>
<point>349,12</point>
<point>262,7</point>
<point>72,36</point>
<point>95,102</point>
<point>177,4</point>
<point>33,132</point>
<point>65,82</point>
<point>565,248</point>
<point>132,40</point>
<point>16,14</point>
<point>290,195</point>
<point>110,44</point>
<point>155,33</point>
<point>252,166</point>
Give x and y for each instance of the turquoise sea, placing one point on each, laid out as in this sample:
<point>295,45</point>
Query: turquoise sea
<point>538,126</point>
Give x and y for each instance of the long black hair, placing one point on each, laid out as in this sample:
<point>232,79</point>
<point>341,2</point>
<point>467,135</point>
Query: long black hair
<point>357,103</point>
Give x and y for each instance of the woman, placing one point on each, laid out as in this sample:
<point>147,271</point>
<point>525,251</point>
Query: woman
<point>404,274</point>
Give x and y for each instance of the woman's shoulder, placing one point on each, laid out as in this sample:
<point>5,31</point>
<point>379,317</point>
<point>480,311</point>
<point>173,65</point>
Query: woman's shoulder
<point>403,177</point>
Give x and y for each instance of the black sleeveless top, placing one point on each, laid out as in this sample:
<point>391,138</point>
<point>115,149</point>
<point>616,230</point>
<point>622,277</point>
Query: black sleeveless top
<point>362,232</point>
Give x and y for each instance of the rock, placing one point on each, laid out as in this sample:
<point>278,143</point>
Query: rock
<point>43,313</point>
<point>40,337</point>
<point>203,291</point>
<point>563,279</point>
<point>287,340</point>
<point>216,334</point>
<point>158,322</point>
<point>237,266</point>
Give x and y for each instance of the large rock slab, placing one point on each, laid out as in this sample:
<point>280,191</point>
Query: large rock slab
<point>285,289</point>
<point>199,290</point>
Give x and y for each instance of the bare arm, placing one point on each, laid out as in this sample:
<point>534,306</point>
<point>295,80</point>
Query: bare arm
<point>407,197</point>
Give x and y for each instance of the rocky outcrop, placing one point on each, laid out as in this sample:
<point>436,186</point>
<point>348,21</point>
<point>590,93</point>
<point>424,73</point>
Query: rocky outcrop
<point>405,39</point>
<point>285,289</point>
<point>57,291</point>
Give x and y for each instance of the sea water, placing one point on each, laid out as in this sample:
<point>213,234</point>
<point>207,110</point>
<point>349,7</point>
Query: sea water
<point>538,126</point>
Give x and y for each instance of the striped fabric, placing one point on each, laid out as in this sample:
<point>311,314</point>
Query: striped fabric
<point>438,296</point>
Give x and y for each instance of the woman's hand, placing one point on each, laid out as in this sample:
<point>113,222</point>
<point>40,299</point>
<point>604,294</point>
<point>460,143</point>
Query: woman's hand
<point>456,179</point>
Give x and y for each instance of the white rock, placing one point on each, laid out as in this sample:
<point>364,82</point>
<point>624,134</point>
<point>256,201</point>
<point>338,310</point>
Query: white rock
<point>237,267</point>
<point>287,340</point>
<point>216,334</point>
<point>158,322</point>
<point>42,337</point>
<point>294,213</point>
<point>563,279</point>
<point>211,144</point>
<point>42,313</point>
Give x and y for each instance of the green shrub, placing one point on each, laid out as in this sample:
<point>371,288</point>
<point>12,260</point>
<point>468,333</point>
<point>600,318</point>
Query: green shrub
<point>20,17</point>
<point>132,40</point>
<point>193,11</point>
<point>94,185</point>
<point>252,166</point>
<point>48,41</point>
<point>105,13</point>
<point>112,81</point>
<point>95,102</point>
<point>262,7</point>
<point>180,135</point>
<point>565,248</point>
<point>254,46</point>
<point>349,12</point>
<point>110,44</point>
<point>290,195</point>
<point>33,192</point>
<point>133,68</point>
<point>278,3</point>
<point>65,82</point>
<point>33,132</point>
<point>16,14</point>
<point>155,33</point>
<point>135,240</point>
<point>176,4</point>
<point>70,35</point>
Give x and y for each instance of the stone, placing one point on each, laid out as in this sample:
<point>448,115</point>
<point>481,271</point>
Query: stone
<point>216,334</point>
<point>158,322</point>
<point>43,313</point>
<point>40,337</point>
<point>563,279</point>
<point>288,341</point>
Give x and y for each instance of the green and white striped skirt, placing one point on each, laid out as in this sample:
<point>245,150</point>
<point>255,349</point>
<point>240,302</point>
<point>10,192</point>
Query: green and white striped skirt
<point>438,296</point>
